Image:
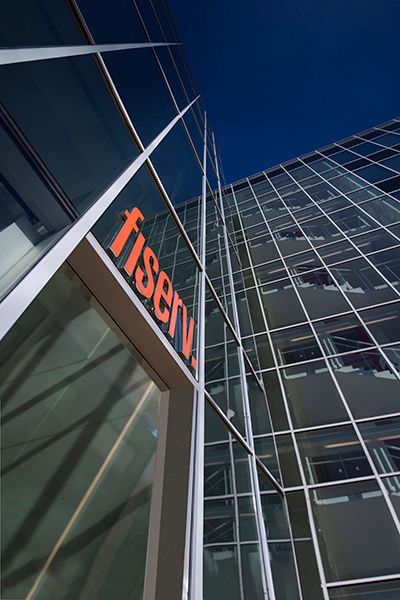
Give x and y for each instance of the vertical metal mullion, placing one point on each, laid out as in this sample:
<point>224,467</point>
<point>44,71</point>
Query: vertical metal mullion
<point>196,574</point>
<point>266,571</point>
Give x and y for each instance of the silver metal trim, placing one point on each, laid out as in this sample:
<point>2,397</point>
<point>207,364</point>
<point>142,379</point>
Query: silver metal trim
<point>34,53</point>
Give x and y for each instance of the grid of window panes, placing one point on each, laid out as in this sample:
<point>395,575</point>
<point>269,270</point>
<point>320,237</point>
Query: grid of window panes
<point>318,293</point>
<point>70,127</point>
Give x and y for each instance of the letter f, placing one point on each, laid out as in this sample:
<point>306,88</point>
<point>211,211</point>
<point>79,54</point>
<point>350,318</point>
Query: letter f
<point>131,224</point>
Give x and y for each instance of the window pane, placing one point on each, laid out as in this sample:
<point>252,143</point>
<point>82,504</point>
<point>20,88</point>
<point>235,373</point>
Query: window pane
<point>383,440</point>
<point>83,398</point>
<point>349,548</point>
<point>320,294</point>
<point>72,123</point>
<point>332,454</point>
<point>342,334</point>
<point>296,344</point>
<point>305,385</point>
<point>221,573</point>
<point>367,383</point>
<point>45,23</point>
<point>381,590</point>
<point>362,284</point>
<point>281,304</point>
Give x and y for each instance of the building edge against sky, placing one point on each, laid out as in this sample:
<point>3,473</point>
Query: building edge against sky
<point>199,381</point>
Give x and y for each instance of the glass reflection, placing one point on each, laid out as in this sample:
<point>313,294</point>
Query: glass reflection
<point>349,549</point>
<point>332,454</point>
<point>75,397</point>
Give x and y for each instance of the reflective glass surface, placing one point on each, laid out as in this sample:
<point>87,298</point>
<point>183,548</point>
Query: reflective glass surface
<point>349,549</point>
<point>73,123</point>
<point>79,434</point>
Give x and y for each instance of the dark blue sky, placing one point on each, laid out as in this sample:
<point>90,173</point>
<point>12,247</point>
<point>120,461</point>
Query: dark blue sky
<point>282,77</point>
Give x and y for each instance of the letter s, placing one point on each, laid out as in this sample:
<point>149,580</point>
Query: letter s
<point>151,265</point>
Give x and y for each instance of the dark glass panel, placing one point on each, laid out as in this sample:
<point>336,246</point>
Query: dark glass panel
<point>258,407</point>
<point>374,241</point>
<point>281,304</point>
<point>381,590</point>
<point>31,218</point>
<point>303,262</point>
<point>320,294</point>
<point>215,429</point>
<point>264,351</point>
<point>388,263</point>
<point>251,569</point>
<point>113,22</point>
<point>247,520</point>
<point>270,272</point>
<point>242,469</point>
<point>383,441</point>
<point>288,460</point>
<point>367,382</point>
<point>262,249</point>
<point>221,573</point>
<point>296,344</point>
<point>45,23</point>
<point>383,322</point>
<point>348,183</point>
<point>305,386</point>
<point>321,231</point>
<point>275,516</point>
<point>349,548</point>
<point>374,173</point>
<point>342,334</point>
<point>362,284</point>
<point>308,571</point>
<point>275,401</point>
<point>72,123</point>
<point>217,470</point>
<point>386,210</point>
<point>143,91</point>
<point>365,149</point>
<point>284,571</point>
<point>388,139</point>
<point>332,454</point>
<point>219,521</point>
<point>84,403</point>
<point>367,193</point>
<point>392,485</point>
<point>338,251</point>
<point>266,451</point>
<point>177,166</point>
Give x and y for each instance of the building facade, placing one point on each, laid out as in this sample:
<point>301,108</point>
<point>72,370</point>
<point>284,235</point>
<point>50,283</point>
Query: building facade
<point>199,381</point>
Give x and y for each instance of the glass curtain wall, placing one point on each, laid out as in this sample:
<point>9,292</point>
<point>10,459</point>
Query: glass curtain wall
<point>292,279</point>
<point>318,289</point>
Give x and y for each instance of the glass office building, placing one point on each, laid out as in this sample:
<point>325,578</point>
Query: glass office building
<point>199,380</point>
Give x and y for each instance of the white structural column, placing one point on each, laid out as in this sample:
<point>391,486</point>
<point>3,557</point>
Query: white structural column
<point>32,53</point>
<point>196,574</point>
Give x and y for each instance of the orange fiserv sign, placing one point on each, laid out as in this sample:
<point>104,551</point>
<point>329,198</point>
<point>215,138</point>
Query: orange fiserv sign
<point>153,284</point>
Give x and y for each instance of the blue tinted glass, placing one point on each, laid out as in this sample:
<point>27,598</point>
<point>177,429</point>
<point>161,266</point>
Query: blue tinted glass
<point>374,173</point>
<point>177,166</point>
<point>143,90</point>
<point>365,149</point>
<point>393,163</point>
<point>113,21</point>
<point>48,22</point>
<point>389,139</point>
<point>72,123</point>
